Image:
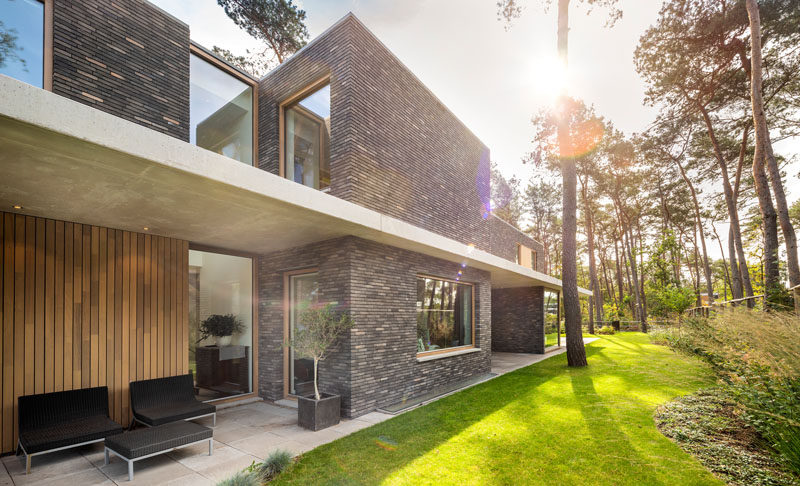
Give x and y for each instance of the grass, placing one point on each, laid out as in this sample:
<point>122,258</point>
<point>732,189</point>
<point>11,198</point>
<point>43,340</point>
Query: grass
<point>543,424</point>
<point>551,339</point>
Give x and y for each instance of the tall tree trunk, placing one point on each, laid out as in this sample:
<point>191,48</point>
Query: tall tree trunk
<point>597,293</point>
<point>619,273</point>
<point>724,263</point>
<point>699,224</point>
<point>635,275</point>
<point>736,275</point>
<point>576,353</point>
<point>768,214</point>
<point>729,201</point>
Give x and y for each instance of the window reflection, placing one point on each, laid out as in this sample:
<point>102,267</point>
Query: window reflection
<point>444,314</point>
<point>307,145</point>
<point>221,111</point>
<point>22,40</point>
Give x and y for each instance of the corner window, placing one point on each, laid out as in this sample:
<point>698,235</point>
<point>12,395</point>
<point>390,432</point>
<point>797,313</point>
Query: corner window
<point>307,135</point>
<point>518,255</point>
<point>444,314</point>
<point>533,259</point>
<point>22,40</point>
<point>220,111</point>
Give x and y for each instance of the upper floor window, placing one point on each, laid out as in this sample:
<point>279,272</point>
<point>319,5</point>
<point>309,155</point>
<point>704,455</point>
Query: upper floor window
<point>220,109</point>
<point>307,135</point>
<point>533,259</point>
<point>22,40</point>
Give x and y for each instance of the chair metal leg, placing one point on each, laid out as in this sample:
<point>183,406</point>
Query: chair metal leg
<point>130,470</point>
<point>214,420</point>
<point>210,446</point>
<point>27,464</point>
<point>106,463</point>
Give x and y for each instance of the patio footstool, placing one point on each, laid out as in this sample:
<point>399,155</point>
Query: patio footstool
<point>143,443</point>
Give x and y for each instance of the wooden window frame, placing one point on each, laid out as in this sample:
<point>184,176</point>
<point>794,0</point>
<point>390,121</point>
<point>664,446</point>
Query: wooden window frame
<point>294,98</point>
<point>214,61</point>
<point>455,349</point>
<point>47,73</point>
<point>254,355</point>
<point>286,335</point>
<point>534,257</point>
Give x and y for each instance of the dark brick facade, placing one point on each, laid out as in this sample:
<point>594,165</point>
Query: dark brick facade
<point>126,57</point>
<point>504,239</point>
<point>518,320</point>
<point>376,365</point>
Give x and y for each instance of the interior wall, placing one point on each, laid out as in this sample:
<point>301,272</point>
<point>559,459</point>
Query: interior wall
<point>86,306</point>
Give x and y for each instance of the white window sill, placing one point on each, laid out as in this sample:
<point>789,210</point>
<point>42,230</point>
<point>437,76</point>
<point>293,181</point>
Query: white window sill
<point>457,352</point>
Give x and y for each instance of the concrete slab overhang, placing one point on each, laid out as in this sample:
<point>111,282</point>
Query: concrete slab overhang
<point>63,160</point>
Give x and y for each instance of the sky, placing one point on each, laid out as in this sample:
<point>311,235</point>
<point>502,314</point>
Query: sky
<point>491,77</point>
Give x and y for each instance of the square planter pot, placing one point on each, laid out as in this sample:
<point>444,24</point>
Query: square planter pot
<point>318,414</point>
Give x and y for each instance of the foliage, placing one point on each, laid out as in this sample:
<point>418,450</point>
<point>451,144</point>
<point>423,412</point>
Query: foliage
<point>757,354</point>
<point>613,312</point>
<point>220,325</point>
<point>669,300</point>
<point>521,428</point>
<point>320,326</point>
<point>277,461</point>
<point>8,46</point>
<point>278,23</point>
<point>710,426</point>
<point>605,330</point>
<point>243,478</point>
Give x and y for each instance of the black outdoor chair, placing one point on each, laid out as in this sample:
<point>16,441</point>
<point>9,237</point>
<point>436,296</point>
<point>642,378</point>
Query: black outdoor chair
<point>51,422</point>
<point>163,400</point>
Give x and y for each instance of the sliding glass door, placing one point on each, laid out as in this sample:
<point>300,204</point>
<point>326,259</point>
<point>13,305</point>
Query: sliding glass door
<point>220,324</point>
<point>303,291</point>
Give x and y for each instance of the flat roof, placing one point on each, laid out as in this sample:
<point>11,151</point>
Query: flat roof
<point>64,160</point>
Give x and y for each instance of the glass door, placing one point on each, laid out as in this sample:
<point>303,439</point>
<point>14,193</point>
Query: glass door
<point>220,324</point>
<point>303,291</point>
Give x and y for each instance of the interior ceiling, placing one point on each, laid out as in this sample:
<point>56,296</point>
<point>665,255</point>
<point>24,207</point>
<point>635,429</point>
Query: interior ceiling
<point>59,176</point>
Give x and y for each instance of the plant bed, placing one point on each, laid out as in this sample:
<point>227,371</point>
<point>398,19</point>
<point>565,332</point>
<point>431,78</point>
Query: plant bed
<point>709,426</point>
<point>319,414</point>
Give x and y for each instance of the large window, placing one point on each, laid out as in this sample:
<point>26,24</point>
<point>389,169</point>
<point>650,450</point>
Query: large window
<point>552,326</point>
<point>22,40</point>
<point>303,291</point>
<point>307,134</point>
<point>220,111</point>
<point>220,324</point>
<point>444,314</point>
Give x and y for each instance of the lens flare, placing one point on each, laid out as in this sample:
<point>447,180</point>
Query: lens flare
<point>386,443</point>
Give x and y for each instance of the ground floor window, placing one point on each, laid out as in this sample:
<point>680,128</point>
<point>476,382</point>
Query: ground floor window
<point>552,329</point>
<point>220,324</point>
<point>444,314</point>
<point>303,291</point>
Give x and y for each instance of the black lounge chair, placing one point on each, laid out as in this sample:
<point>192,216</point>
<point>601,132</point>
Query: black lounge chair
<point>50,422</point>
<point>163,400</point>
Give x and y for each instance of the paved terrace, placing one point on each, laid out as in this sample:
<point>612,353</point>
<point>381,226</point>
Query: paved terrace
<point>243,434</point>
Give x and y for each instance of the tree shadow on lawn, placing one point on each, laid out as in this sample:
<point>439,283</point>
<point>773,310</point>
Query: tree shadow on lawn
<point>489,429</point>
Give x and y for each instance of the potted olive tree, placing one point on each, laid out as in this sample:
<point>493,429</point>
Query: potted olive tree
<point>320,326</point>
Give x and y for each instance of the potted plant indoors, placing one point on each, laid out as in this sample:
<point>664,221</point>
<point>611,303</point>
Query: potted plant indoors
<point>320,327</point>
<point>222,327</point>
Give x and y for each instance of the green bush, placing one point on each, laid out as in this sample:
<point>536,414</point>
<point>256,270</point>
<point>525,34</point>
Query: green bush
<point>275,463</point>
<point>607,330</point>
<point>243,478</point>
<point>757,355</point>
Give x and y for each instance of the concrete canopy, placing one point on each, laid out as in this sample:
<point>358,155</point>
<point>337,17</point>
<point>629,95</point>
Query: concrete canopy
<point>63,160</point>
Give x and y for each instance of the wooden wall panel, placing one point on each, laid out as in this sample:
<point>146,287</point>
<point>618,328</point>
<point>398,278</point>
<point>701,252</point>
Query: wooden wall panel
<point>86,306</point>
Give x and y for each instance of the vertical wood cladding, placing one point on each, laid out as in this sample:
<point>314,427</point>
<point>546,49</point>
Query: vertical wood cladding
<point>518,320</point>
<point>87,306</point>
<point>125,57</point>
<point>375,364</point>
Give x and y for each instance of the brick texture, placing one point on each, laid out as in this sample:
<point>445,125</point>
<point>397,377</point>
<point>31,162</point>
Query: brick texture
<point>518,320</point>
<point>504,239</point>
<point>376,364</point>
<point>125,57</point>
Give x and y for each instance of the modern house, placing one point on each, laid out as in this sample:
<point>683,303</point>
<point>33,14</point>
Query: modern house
<point>146,185</point>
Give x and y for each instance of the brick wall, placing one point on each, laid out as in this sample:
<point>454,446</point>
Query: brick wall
<point>126,57</point>
<point>394,147</point>
<point>504,238</point>
<point>376,364</point>
<point>518,320</point>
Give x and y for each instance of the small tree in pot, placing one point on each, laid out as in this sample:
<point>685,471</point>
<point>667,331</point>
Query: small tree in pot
<point>320,327</point>
<point>220,326</point>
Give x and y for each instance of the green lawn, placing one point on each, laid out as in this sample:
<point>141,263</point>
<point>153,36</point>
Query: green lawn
<point>551,339</point>
<point>544,424</point>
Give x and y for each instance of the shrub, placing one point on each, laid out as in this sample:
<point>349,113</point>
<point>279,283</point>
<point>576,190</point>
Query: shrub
<point>275,463</point>
<point>757,355</point>
<point>243,478</point>
<point>605,330</point>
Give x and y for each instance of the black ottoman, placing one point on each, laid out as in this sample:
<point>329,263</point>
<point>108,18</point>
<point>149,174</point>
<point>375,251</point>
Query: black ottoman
<point>152,441</point>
